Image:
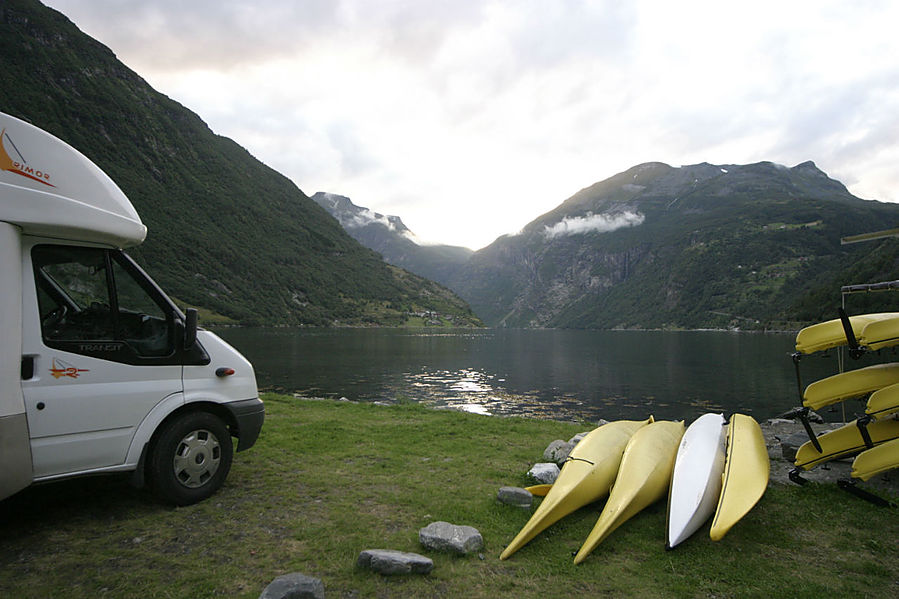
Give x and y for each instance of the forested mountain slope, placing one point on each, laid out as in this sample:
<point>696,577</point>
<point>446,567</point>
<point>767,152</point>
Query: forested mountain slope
<point>724,246</point>
<point>226,232</point>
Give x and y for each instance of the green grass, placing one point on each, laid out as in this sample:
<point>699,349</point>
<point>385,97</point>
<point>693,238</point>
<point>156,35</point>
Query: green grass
<point>327,480</point>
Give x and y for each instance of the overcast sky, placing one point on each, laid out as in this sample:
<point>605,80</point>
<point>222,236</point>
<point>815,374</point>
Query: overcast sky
<point>469,119</point>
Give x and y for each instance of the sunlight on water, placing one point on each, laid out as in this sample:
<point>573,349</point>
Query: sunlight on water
<point>478,392</point>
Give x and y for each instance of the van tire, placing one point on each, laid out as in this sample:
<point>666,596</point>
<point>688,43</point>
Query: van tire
<point>190,459</point>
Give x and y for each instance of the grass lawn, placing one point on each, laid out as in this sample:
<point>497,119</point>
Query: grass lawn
<point>328,479</point>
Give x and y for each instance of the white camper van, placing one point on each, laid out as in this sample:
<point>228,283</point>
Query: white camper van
<point>99,371</point>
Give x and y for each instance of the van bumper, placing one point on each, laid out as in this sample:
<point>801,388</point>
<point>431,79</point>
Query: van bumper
<point>249,415</point>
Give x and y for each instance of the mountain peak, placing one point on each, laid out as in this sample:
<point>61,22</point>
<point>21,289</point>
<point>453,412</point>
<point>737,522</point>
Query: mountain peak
<point>388,236</point>
<point>352,216</point>
<point>809,167</point>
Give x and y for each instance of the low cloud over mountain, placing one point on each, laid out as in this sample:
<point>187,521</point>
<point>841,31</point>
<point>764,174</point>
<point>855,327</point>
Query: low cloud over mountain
<point>593,223</point>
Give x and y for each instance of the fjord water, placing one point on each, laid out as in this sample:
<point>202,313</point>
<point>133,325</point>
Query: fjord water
<point>560,374</point>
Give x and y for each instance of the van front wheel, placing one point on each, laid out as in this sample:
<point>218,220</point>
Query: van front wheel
<point>190,458</point>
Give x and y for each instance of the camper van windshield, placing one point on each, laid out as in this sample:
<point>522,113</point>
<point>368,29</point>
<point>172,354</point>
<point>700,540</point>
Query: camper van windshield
<point>88,294</point>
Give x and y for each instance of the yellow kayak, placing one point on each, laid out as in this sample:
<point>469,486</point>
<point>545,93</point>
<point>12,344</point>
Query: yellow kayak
<point>846,385</point>
<point>880,333</point>
<point>643,479</point>
<point>745,478</point>
<point>883,402</point>
<point>844,441</point>
<point>539,490</point>
<point>874,331</point>
<point>586,476</point>
<point>876,460</point>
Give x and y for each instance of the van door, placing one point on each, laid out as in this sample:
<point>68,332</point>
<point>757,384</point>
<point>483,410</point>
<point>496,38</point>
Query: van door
<point>100,340</point>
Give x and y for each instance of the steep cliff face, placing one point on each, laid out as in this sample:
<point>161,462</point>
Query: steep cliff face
<point>658,246</point>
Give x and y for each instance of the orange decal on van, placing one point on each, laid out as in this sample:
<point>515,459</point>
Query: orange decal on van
<point>19,167</point>
<point>61,369</point>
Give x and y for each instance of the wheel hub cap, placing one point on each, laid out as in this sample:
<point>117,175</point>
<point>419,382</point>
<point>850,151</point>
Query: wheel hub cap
<point>197,458</point>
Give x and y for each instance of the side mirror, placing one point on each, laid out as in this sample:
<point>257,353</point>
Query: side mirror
<point>190,327</point>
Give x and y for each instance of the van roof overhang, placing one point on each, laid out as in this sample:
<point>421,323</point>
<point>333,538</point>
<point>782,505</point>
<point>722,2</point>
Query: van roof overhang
<point>48,188</point>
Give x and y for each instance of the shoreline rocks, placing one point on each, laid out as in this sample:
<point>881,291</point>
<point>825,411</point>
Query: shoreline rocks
<point>294,586</point>
<point>557,451</point>
<point>451,538</point>
<point>391,563</point>
<point>544,472</point>
<point>515,496</point>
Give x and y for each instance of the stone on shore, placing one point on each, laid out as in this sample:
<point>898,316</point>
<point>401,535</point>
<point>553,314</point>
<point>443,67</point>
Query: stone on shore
<point>294,586</point>
<point>557,451</point>
<point>577,438</point>
<point>451,538</point>
<point>544,472</point>
<point>515,496</point>
<point>390,563</point>
<point>790,444</point>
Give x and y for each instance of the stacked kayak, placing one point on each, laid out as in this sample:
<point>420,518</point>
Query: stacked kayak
<point>871,331</point>
<point>845,441</point>
<point>714,469</point>
<point>876,460</point>
<point>866,332</point>
<point>873,438</point>
<point>850,384</point>
<point>883,402</point>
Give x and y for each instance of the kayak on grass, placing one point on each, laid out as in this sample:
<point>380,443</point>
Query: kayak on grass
<point>643,478</point>
<point>586,476</point>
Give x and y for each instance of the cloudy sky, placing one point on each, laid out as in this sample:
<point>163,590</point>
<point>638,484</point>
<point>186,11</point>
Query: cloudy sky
<point>471,118</point>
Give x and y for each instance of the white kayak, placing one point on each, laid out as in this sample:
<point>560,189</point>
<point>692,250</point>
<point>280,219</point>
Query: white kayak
<point>696,479</point>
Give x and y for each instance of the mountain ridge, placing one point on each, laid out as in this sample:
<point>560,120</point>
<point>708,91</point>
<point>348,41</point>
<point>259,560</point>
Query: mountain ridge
<point>697,246</point>
<point>726,246</point>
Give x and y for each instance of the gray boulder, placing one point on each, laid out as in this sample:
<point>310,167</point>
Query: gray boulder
<point>815,417</point>
<point>557,451</point>
<point>544,472</point>
<point>792,415</point>
<point>294,586</point>
<point>389,562</point>
<point>790,444</point>
<point>450,538</point>
<point>515,496</point>
<point>577,438</point>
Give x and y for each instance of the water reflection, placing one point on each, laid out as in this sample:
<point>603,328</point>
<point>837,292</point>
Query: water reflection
<point>539,373</point>
<point>479,392</point>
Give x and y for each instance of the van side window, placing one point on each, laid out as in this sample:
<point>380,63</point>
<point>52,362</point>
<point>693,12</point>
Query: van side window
<point>91,303</point>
